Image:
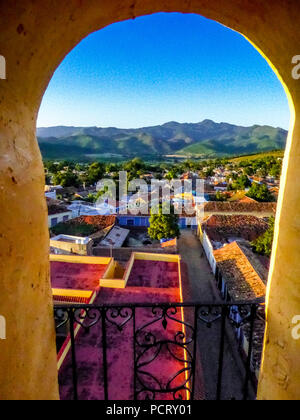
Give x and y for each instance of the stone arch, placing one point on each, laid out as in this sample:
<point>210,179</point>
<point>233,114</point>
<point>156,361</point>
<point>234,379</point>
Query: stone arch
<point>35,37</point>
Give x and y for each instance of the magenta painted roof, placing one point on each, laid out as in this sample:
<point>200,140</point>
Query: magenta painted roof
<point>76,276</point>
<point>158,274</point>
<point>151,282</point>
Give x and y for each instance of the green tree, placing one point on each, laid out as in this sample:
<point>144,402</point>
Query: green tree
<point>64,164</point>
<point>95,173</point>
<point>209,172</point>
<point>172,174</point>
<point>260,192</point>
<point>263,244</point>
<point>275,170</point>
<point>220,196</point>
<point>90,198</point>
<point>248,171</point>
<point>241,183</point>
<point>66,179</point>
<point>164,226</point>
<point>134,168</point>
<point>51,166</point>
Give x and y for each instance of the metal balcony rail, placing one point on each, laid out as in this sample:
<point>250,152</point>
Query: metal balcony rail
<point>191,341</point>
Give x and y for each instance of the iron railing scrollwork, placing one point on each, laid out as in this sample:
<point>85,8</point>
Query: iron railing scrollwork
<point>150,344</point>
<point>164,344</point>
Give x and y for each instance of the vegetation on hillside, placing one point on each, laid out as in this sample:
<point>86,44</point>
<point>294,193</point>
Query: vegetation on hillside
<point>273,154</point>
<point>263,245</point>
<point>207,139</point>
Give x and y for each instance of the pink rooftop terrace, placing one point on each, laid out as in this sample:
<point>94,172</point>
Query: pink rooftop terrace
<point>149,282</point>
<point>65,275</point>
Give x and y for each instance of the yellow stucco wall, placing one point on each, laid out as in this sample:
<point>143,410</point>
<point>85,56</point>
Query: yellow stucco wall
<point>35,37</point>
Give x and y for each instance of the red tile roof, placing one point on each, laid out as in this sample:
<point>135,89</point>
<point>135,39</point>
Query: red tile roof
<point>55,207</point>
<point>71,299</point>
<point>242,280</point>
<point>247,200</point>
<point>220,227</point>
<point>101,222</point>
<point>239,207</point>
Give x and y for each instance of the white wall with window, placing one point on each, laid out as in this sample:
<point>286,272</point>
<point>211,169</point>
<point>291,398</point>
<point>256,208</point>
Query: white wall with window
<point>54,219</point>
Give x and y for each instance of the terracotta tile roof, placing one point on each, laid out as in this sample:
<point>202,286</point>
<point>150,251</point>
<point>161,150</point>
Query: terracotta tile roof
<point>257,262</point>
<point>55,207</point>
<point>101,222</point>
<point>247,200</point>
<point>257,179</point>
<point>239,207</point>
<point>242,280</point>
<point>220,227</point>
<point>245,277</point>
<point>274,191</point>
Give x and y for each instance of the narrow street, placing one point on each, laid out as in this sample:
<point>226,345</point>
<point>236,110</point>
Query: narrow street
<point>199,286</point>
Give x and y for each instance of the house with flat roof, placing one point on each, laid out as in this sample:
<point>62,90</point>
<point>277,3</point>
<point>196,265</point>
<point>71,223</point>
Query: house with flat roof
<point>147,278</point>
<point>76,276</point>
<point>143,220</point>
<point>69,244</point>
<point>57,212</point>
<point>116,237</point>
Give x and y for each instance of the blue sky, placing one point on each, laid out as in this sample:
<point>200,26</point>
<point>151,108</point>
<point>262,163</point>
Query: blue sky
<point>160,68</point>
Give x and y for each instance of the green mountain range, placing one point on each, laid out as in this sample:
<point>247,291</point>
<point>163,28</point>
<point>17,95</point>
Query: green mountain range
<point>204,139</point>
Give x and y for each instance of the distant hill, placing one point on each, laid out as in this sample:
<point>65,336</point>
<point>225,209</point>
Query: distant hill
<point>274,153</point>
<point>207,139</point>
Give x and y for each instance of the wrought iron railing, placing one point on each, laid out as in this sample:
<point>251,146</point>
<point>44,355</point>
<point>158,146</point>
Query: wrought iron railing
<point>159,340</point>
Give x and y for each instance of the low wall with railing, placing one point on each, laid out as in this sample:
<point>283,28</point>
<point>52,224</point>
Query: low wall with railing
<point>170,342</point>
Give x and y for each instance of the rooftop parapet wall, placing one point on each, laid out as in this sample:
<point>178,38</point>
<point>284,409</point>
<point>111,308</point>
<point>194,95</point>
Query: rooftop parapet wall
<point>112,281</point>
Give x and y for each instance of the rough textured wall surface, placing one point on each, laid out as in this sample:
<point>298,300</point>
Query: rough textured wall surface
<point>35,37</point>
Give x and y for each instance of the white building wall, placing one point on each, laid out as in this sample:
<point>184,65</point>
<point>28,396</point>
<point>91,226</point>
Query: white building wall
<point>51,194</point>
<point>209,251</point>
<point>54,219</point>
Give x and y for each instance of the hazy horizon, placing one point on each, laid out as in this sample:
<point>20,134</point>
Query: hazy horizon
<point>137,128</point>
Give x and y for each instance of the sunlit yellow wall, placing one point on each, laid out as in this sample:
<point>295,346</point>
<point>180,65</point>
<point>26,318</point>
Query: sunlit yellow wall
<point>111,278</point>
<point>79,249</point>
<point>72,293</point>
<point>80,259</point>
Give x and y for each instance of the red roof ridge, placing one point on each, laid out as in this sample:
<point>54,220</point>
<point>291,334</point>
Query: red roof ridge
<point>256,284</point>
